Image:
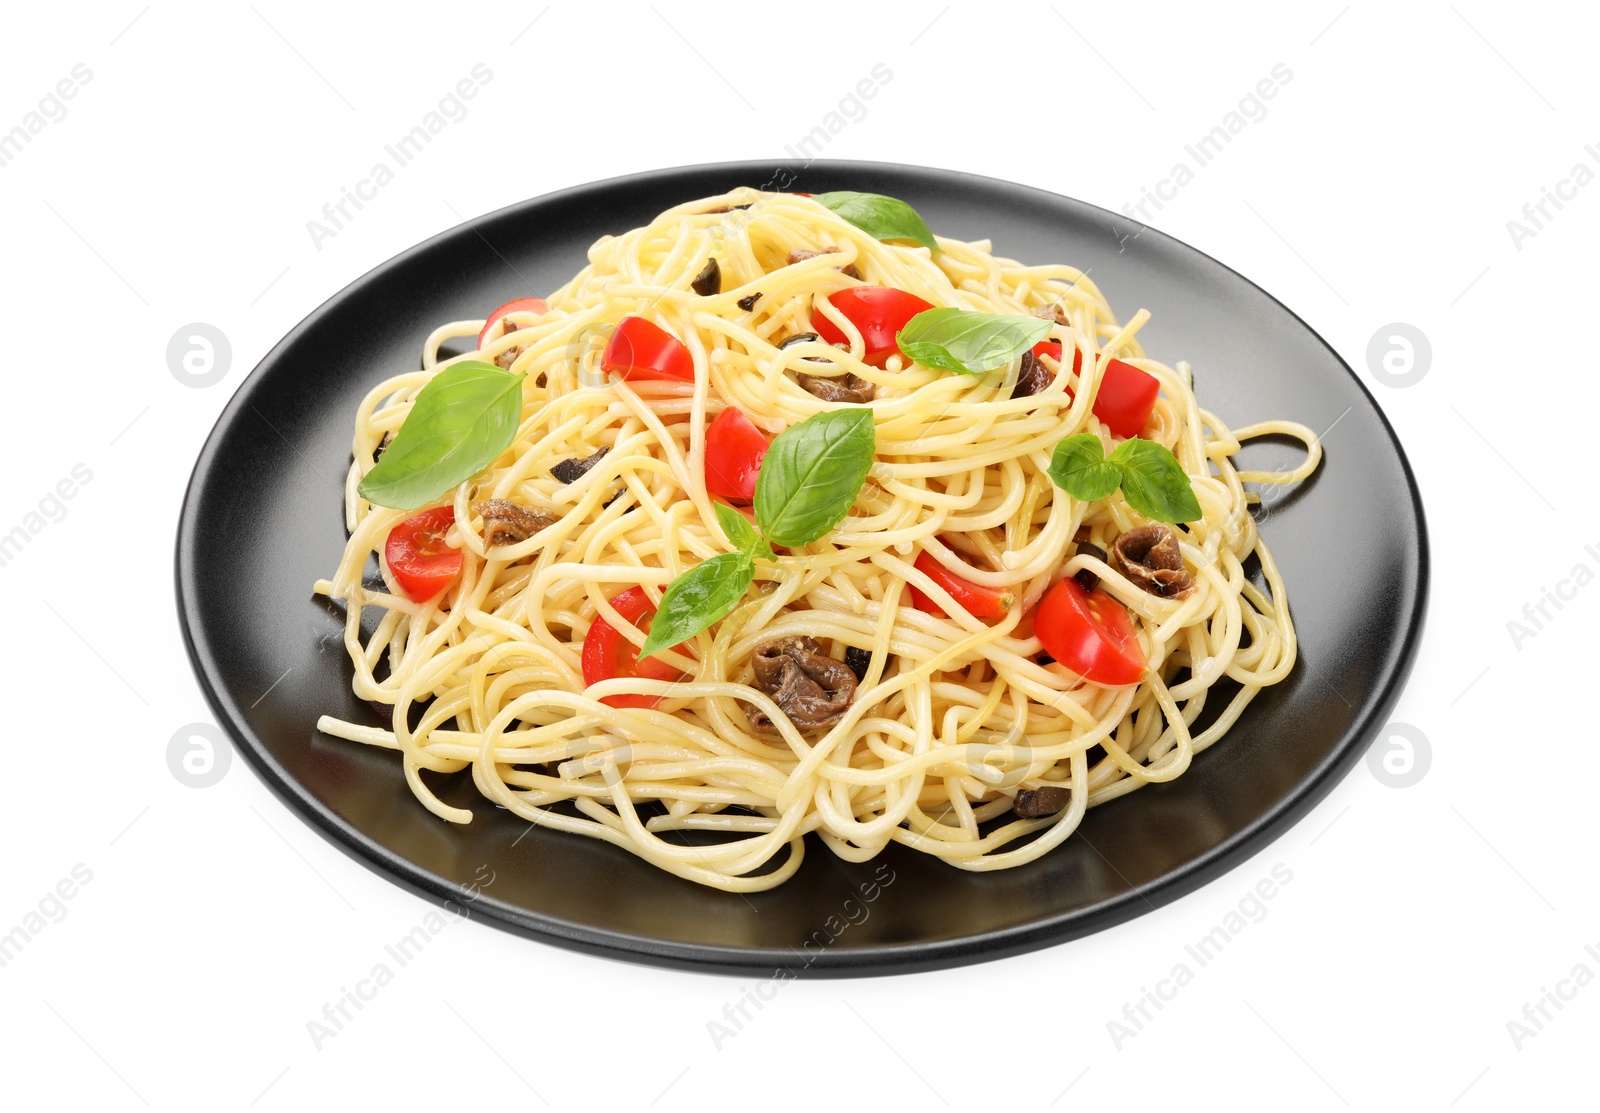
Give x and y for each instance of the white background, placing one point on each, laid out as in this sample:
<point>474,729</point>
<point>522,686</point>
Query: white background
<point>1377,189</point>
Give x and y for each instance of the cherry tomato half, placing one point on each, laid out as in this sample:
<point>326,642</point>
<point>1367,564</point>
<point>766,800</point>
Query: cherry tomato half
<point>1125,398</point>
<point>980,602</point>
<point>878,312</point>
<point>422,564</point>
<point>1090,633</point>
<point>734,451</point>
<point>1126,395</point>
<point>642,350</point>
<point>1052,348</point>
<point>535,306</point>
<point>607,654</point>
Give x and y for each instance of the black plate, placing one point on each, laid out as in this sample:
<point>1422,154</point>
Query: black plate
<point>262,519</point>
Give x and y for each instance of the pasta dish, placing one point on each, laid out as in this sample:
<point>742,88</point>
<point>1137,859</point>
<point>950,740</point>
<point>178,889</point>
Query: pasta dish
<point>785,516</point>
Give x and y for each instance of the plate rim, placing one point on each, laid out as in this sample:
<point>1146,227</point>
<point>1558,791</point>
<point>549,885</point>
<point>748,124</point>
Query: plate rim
<point>900,958</point>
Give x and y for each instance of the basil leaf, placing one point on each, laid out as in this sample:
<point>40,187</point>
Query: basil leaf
<point>1154,483</point>
<point>968,341</point>
<point>698,598</point>
<point>461,420</point>
<point>1080,468</point>
<point>741,532</point>
<point>882,218</point>
<point>812,474</point>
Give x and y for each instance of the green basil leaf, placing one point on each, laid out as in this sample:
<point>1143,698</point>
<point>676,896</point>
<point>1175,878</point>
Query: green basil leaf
<point>739,530</point>
<point>698,598</point>
<point>1154,483</point>
<point>812,474</point>
<point>461,420</point>
<point>969,341</point>
<point>882,218</point>
<point>1080,468</point>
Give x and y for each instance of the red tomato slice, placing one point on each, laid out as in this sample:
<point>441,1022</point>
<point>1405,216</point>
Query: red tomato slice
<point>1090,633</point>
<point>422,564</point>
<point>1052,348</point>
<point>878,312</point>
<point>734,451</point>
<point>1125,398</point>
<point>642,350</point>
<point>607,654</point>
<point>980,602</point>
<point>535,306</point>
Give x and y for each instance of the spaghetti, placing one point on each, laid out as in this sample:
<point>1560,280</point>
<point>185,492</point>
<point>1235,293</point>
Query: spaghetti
<point>956,718</point>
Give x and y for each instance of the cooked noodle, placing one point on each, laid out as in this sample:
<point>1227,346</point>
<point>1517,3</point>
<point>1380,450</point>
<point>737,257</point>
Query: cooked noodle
<point>954,715</point>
